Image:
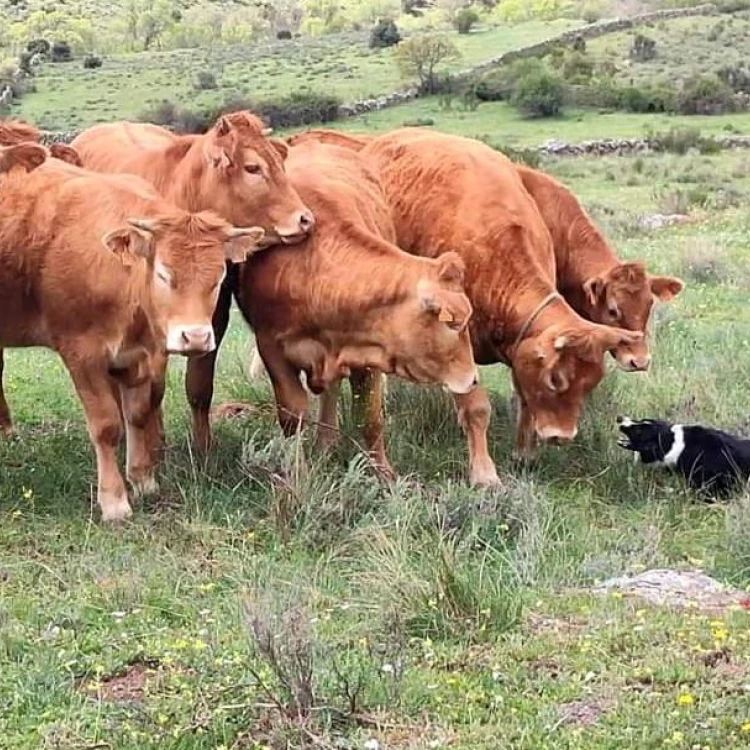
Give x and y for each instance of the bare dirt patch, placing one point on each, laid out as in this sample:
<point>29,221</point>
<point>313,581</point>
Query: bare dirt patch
<point>127,686</point>
<point>233,410</point>
<point>584,712</point>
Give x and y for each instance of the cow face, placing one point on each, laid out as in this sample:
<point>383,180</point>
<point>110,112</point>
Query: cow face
<point>624,297</point>
<point>247,182</point>
<point>437,348</point>
<point>554,371</point>
<point>186,257</point>
<point>65,153</point>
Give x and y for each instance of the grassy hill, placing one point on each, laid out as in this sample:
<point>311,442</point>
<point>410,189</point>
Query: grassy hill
<point>68,96</point>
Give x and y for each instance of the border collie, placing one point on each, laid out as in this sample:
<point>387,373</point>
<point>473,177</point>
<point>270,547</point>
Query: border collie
<point>709,459</point>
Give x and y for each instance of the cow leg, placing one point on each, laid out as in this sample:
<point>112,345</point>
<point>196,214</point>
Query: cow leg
<point>292,402</point>
<point>328,418</point>
<point>95,389</point>
<point>199,380</point>
<point>474,411</point>
<point>6,423</point>
<point>369,417</point>
<point>140,422</point>
<point>526,440</point>
<point>155,425</point>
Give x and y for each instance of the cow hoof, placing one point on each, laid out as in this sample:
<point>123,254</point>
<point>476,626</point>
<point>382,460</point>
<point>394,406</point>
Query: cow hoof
<point>7,431</point>
<point>145,486</point>
<point>484,476</point>
<point>115,508</point>
<point>385,472</point>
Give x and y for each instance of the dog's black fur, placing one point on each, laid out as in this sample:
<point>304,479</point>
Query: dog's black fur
<point>711,460</point>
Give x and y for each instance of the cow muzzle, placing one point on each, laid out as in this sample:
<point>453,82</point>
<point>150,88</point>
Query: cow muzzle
<point>298,229</point>
<point>556,435</point>
<point>464,386</point>
<point>633,362</point>
<point>191,340</point>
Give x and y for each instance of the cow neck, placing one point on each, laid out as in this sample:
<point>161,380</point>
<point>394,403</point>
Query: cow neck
<point>581,253</point>
<point>178,175</point>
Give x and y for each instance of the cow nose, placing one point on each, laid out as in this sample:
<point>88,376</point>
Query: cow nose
<point>475,382</point>
<point>195,339</point>
<point>634,363</point>
<point>556,435</point>
<point>306,221</point>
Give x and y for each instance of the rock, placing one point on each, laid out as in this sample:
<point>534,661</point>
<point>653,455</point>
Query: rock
<point>675,588</point>
<point>657,221</point>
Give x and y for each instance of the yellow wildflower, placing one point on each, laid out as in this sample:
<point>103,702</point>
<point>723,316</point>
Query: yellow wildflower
<point>745,728</point>
<point>685,699</point>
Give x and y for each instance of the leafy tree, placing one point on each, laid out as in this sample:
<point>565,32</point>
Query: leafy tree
<point>385,33</point>
<point>421,57</point>
<point>465,19</point>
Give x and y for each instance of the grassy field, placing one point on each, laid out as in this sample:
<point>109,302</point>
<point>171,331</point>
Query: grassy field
<point>424,614</point>
<point>342,65</point>
<point>684,47</point>
<point>500,123</point>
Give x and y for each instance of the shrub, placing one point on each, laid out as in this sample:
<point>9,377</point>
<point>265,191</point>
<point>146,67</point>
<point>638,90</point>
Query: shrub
<point>539,94</point>
<point>647,99</point>
<point>180,119</point>
<point>61,52</point>
<point>18,84</point>
<point>579,44</point>
<point>205,80</point>
<point>682,140</point>
<point>465,19</point>
<point>732,6</point>
<point>92,61</point>
<point>591,14</point>
<point>38,46</point>
<point>577,68</point>
<point>500,84</point>
<point>284,34</point>
<point>385,33</point>
<point>705,95</point>
<point>421,57</point>
<point>737,77</point>
<point>297,108</point>
<point>643,49</point>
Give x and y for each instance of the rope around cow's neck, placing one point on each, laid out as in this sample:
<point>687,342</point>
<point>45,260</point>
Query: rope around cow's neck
<point>548,300</point>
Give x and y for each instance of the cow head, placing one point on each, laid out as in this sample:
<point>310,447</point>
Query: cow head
<point>246,180</point>
<point>26,156</point>
<point>555,370</point>
<point>186,257</point>
<point>435,346</point>
<point>623,297</point>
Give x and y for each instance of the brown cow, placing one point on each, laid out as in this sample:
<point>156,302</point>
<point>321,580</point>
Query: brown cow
<point>16,132</point>
<point>450,192</point>
<point>594,281</point>
<point>348,299</point>
<point>235,170</point>
<point>109,293</point>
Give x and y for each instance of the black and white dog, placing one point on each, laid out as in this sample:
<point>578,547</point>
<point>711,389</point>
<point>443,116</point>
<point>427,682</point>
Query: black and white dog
<point>710,460</point>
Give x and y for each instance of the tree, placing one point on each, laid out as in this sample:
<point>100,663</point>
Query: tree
<point>421,57</point>
<point>384,34</point>
<point>465,19</point>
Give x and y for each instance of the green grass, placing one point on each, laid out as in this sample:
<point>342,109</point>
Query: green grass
<point>341,64</point>
<point>685,47</point>
<point>458,618</point>
<point>503,124</point>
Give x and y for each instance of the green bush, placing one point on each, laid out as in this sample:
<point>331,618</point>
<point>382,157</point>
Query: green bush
<point>465,19</point>
<point>591,14</point>
<point>385,33</point>
<point>92,61</point>
<point>38,46</point>
<point>500,84</point>
<point>539,94</point>
<point>61,52</point>
<point>643,49</point>
<point>737,77</point>
<point>705,95</point>
<point>205,80</point>
<point>577,68</point>
<point>422,56</point>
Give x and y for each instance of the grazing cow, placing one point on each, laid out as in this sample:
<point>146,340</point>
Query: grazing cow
<point>348,302</point>
<point>594,281</point>
<point>450,192</point>
<point>235,170</point>
<point>109,293</point>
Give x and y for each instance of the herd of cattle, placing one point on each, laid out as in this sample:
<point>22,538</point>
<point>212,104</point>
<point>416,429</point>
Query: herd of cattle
<point>412,253</point>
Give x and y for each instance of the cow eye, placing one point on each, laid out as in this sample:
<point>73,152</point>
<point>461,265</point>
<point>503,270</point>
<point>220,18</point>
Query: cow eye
<point>252,168</point>
<point>164,278</point>
<point>614,312</point>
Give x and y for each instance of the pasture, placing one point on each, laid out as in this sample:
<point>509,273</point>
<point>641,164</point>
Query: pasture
<point>424,614</point>
<point>338,64</point>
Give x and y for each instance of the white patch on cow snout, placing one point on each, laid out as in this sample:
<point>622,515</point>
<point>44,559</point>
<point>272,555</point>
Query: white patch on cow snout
<point>672,456</point>
<point>185,339</point>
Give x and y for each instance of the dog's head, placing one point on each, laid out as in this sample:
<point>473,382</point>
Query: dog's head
<point>651,438</point>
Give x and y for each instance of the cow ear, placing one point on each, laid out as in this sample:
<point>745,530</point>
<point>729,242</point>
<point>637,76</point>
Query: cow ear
<point>218,157</point>
<point>610,338</point>
<point>242,242</point>
<point>280,146</point>
<point>28,156</point>
<point>128,244</point>
<point>451,268</point>
<point>594,289</point>
<point>65,153</point>
<point>666,288</point>
<point>222,127</point>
